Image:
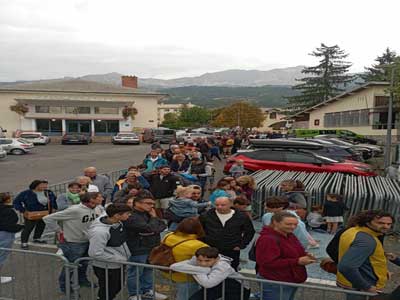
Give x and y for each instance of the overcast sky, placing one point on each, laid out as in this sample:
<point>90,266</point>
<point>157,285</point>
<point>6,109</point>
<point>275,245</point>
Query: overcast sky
<point>173,38</point>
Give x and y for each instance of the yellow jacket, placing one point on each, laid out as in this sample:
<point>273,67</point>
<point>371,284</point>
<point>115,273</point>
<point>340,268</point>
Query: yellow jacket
<point>377,259</point>
<point>182,251</point>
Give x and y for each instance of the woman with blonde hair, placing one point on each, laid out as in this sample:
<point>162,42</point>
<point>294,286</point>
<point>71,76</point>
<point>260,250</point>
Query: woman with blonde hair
<point>183,206</point>
<point>184,242</point>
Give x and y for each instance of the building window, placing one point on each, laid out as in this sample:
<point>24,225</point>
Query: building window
<point>272,115</point>
<point>109,127</point>
<point>347,118</point>
<point>381,101</point>
<point>42,109</point>
<point>106,110</point>
<point>77,110</point>
<point>316,122</point>
<point>49,126</point>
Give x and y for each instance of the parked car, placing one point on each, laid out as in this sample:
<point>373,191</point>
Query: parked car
<point>192,136</point>
<point>37,138</point>
<point>331,150</point>
<point>296,160</point>
<point>375,149</point>
<point>160,134</point>
<point>76,138</point>
<point>341,133</point>
<point>3,153</point>
<point>126,138</point>
<point>16,146</point>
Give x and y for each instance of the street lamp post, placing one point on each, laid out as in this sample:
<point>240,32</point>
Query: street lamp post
<point>388,145</point>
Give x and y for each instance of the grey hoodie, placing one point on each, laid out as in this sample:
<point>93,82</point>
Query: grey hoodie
<point>207,277</point>
<point>108,243</point>
<point>74,220</point>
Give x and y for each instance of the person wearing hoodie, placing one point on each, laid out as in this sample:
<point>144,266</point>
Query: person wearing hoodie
<point>210,269</point>
<point>154,161</point>
<point>72,225</point>
<point>143,234</point>
<point>184,242</point>
<point>107,245</point>
<point>71,197</point>
<point>281,257</point>
<point>227,229</point>
<point>8,227</point>
<point>183,206</point>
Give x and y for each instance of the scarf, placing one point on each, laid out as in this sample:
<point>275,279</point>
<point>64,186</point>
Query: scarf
<point>74,198</point>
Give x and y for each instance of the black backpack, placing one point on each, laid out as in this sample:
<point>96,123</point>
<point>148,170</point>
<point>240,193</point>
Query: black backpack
<point>333,247</point>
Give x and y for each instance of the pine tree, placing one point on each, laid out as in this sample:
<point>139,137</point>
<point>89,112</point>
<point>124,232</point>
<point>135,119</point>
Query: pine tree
<point>323,81</point>
<point>380,71</point>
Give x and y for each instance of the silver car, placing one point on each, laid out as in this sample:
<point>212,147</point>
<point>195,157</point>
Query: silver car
<point>16,146</point>
<point>3,153</point>
<point>37,138</point>
<point>126,138</point>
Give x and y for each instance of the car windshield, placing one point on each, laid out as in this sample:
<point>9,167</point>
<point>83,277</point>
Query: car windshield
<point>23,140</point>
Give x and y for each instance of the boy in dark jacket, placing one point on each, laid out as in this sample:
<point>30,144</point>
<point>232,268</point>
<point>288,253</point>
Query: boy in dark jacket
<point>143,229</point>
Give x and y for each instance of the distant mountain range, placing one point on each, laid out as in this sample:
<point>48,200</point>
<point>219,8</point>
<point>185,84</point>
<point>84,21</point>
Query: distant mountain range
<point>284,76</point>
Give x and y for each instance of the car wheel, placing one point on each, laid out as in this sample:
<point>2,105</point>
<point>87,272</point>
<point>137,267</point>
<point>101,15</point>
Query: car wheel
<point>17,151</point>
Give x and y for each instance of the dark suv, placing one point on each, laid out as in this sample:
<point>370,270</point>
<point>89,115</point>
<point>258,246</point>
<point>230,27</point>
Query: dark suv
<point>332,151</point>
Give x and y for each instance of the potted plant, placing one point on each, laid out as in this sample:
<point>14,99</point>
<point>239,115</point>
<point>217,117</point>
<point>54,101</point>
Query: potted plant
<point>129,111</point>
<point>19,108</point>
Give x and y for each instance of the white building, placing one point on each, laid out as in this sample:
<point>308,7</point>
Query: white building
<point>164,108</point>
<point>56,107</point>
<point>274,119</point>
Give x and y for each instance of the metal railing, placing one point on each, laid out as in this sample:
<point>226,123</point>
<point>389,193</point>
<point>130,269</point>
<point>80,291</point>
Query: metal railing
<point>35,278</point>
<point>35,275</point>
<point>359,192</point>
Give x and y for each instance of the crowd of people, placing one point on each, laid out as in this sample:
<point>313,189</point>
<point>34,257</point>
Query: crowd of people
<point>173,201</point>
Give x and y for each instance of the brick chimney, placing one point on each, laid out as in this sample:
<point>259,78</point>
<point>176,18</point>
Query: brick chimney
<point>129,81</point>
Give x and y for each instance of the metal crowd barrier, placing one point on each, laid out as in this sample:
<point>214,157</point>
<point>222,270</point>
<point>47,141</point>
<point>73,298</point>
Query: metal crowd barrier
<point>35,277</point>
<point>359,192</point>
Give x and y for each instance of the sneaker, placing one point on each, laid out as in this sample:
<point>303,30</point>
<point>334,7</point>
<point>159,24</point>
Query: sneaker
<point>154,295</point>
<point>24,246</point>
<point>5,279</point>
<point>37,241</point>
<point>135,297</point>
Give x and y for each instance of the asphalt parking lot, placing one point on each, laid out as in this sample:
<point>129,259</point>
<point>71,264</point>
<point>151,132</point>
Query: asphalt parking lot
<point>58,163</point>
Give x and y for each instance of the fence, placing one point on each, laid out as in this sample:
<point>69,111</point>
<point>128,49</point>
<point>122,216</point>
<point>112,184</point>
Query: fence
<point>359,192</point>
<point>36,279</point>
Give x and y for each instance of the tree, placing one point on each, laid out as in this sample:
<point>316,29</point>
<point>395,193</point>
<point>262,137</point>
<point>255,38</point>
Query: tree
<point>171,121</point>
<point>322,81</point>
<point>380,71</point>
<point>194,117</point>
<point>241,114</point>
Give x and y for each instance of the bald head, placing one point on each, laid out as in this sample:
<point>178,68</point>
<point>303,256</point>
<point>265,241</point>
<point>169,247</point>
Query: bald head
<point>90,172</point>
<point>223,205</point>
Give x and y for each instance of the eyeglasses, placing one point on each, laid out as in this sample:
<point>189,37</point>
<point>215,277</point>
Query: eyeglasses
<point>149,203</point>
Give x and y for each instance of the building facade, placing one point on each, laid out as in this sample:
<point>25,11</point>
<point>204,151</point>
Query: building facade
<point>274,119</point>
<point>77,106</point>
<point>363,110</point>
<point>164,108</point>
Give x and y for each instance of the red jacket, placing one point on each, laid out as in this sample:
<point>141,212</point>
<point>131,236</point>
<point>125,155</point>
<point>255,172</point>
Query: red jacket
<point>277,256</point>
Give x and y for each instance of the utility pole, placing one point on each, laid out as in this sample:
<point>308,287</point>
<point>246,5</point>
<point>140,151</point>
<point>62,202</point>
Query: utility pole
<point>388,145</point>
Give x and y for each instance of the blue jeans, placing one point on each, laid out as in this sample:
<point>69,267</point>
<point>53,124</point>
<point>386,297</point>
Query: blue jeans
<point>278,292</point>
<point>6,241</point>
<point>145,276</point>
<point>185,289</point>
<point>73,251</point>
